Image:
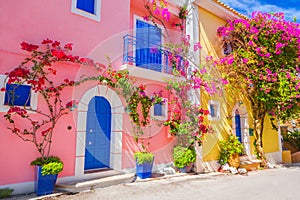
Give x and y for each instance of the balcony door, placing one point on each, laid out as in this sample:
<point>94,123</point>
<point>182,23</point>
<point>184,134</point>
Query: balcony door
<point>148,41</point>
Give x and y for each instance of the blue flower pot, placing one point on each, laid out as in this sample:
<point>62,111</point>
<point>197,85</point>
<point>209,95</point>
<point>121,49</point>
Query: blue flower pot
<point>44,184</point>
<point>182,170</point>
<point>144,170</point>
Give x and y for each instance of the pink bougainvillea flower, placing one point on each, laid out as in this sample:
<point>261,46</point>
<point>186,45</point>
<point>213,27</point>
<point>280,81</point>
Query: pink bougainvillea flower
<point>146,18</point>
<point>267,55</point>
<point>224,81</point>
<point>165,14</point>
<point>245,60</point>
<point>156,11</point>
<point>230,60</point>
<point>298,86</point>
<point>197,46</point>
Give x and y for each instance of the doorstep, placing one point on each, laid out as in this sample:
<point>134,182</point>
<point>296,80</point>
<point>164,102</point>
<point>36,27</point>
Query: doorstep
<point>79,186</point>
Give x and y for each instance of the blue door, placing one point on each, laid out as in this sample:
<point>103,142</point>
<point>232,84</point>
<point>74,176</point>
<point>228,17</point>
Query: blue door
<point>238,130</point>
<point>98,129</point>
<point>148,40</point>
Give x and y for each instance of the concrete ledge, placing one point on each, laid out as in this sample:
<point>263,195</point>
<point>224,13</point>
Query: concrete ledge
<point>95,183</point>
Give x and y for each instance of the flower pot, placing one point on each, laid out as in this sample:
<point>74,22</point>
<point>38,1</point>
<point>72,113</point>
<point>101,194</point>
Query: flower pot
<point>182,170</point>
<point>44,184</point>
<point>234,160</point>
<point>144,170</point>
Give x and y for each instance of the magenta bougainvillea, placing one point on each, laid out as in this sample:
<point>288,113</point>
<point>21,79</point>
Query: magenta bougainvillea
<point>264,65</point>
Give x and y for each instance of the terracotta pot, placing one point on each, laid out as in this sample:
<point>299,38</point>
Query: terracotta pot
<point>234,160</point>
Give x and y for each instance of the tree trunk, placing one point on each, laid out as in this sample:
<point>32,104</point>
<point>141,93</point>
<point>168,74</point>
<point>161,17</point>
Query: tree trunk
<point>259,118</point>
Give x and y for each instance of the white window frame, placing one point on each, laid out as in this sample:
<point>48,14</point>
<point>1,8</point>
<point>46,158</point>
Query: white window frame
<point>5,108</point>
<point>83,13</point>
<point>217,112</point>
<point>164,111</point>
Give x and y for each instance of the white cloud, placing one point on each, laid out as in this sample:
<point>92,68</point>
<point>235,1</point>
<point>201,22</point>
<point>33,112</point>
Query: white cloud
<point>248,6</point>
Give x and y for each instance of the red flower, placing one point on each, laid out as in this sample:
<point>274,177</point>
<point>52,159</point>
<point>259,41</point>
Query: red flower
<point>47,41</point>
<point>142,87</point>
<point>55,44</point>
<point>3,89</point>
<point>68,46</point>
<point>28,47</point>
<point>58,53</point>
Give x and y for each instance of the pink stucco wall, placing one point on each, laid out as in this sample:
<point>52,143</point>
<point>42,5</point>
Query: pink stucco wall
<point>32,21</point>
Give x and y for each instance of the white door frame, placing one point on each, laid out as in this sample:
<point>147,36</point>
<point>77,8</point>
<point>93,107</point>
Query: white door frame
<point>117,110</point>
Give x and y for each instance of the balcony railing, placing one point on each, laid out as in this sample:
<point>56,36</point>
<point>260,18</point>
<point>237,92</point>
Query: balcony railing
<point>147,55</point>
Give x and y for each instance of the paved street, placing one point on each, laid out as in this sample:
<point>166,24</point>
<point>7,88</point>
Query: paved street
<point>281,183</point>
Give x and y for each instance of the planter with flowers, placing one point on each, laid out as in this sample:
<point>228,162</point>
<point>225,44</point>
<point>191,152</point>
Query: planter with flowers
<point>184,157</point>
<point>230,150</point>
<point>144,164</point>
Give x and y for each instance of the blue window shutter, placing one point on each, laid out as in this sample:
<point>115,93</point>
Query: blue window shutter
<point>212,110</point>
<point>148,40</point>
<point>17,95</point>
<point>158,109</point>
<point>86,5</point>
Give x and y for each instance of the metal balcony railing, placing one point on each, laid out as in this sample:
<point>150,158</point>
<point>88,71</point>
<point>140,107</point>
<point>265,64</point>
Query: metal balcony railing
<point>147,55</point>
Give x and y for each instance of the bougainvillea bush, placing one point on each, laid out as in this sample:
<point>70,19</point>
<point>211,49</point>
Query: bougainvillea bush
<point>264,66</point>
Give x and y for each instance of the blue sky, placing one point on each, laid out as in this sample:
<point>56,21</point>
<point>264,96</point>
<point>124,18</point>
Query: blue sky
<point>291,8</point>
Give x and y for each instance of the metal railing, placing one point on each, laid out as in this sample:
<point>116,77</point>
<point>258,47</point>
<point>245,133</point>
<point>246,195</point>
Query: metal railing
<point>147,55</point>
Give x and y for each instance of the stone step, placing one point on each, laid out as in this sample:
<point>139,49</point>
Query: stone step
<point>74,187</point>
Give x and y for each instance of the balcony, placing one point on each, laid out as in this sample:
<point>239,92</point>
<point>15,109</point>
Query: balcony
<point>146,55</point>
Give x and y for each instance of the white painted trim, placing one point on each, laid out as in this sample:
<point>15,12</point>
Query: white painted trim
<point>5,108</point>
<point>83,13</point>
<point>211,166</point>
<point>218,111</point>
<point>244,127</point>
<point>217,9</point>
<point>117,110</point>
<point>164,111</point>
<point>147,73</point>
<point>274,157</point>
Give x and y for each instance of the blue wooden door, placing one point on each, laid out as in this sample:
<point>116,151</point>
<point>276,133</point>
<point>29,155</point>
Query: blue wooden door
<point>238,130</point>
<point>148,40</point>
<point>98,131</point>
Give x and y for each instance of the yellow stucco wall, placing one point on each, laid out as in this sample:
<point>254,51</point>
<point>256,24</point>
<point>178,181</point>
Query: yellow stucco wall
<point>208,25</point>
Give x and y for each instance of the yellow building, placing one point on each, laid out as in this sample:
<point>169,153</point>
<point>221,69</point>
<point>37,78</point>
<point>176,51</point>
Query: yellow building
<point>229,112</point>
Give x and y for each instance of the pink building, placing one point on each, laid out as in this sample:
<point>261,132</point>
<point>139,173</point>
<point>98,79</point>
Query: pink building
<point>114,28</point>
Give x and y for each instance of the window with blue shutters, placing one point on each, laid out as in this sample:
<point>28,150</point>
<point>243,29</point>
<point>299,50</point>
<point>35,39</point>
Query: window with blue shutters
<point>148,42</point>
<point>214,110</point>
<point>17,95</point>
<point>86,5</point>
<point>159,111</point>
<point>87,8</point>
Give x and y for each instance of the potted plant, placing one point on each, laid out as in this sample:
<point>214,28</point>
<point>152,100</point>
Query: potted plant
<point>47,170</point>
<point>184,157</point>
<point>230,150</point>
<point>144,164</point>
